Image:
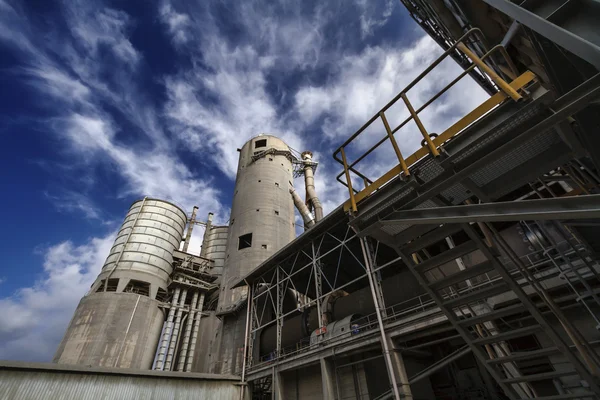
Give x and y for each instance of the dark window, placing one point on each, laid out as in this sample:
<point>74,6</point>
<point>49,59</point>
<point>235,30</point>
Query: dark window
<point>270,159</point>
<point>264,246</point>
<point>101,287</point>
<point>258,209</point>
<point>260,143</point>
<point>276,184</point>
<point>161,295</point>
<point>139,287</point>
<point>276,212</point>
<point>245,241</point>
<point>112,285</point>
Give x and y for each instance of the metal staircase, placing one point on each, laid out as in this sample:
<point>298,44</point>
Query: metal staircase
<point>484,329</point>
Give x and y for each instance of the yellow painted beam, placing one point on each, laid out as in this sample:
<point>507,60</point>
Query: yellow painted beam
<point>467,120</point>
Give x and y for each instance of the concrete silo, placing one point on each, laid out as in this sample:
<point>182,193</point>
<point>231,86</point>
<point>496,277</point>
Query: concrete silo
<point>119,321</point>
<point>262,213</point>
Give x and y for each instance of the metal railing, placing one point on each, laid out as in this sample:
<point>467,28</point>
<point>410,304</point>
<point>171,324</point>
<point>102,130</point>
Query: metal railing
<point>431,144</point>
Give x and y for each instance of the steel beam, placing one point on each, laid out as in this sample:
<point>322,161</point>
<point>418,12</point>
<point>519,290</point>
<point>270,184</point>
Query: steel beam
<point>577,45</point>
<point>577,207</point>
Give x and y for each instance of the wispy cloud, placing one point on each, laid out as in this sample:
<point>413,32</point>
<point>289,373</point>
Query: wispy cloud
<point>34,318</point>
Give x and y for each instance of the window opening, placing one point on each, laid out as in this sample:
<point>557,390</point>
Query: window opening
<point>260,143</point>
<point>112,284</point>
<point>245,241</point>
<point>161,295</point>
<point>139,287</point>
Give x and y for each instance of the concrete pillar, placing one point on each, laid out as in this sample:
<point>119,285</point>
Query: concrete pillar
<point>328,379</point>
<point>399,370</point>
<point>277,392</point>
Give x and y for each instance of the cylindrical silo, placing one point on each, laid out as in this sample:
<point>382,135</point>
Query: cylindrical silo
<point>118,323</point>
<point>262,213</point>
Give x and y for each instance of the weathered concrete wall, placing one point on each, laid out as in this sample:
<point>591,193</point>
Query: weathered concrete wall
<point>303,383</point>
<point>204,345</point>
<point>112,330</point>
<point>29,381</point>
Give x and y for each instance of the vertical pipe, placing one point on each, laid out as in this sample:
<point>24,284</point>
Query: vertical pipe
<point>164,341</point>
<point>195,329</point>
<point>204,248</point>
<point>309,180</point>
<point>174,336</point>
<point>190,227</point>
<point>188,331</point>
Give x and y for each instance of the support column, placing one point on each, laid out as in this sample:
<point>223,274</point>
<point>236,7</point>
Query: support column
<point>318,284</point>
<point>279,311</point>
<point>164,341</point>
<point>399,370</point>
<point>328,379</point>
<point>195,329</point>
<point>277,389</point>
<point>176,327</point>
<point>393,360</point>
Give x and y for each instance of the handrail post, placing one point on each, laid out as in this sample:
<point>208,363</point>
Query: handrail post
<point>426,136</point>
<point>349,181</point>
<point>394,144</point>
<point>502,84</point>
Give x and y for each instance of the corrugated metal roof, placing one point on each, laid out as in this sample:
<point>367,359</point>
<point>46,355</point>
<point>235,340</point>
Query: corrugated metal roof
<point>25,381</point>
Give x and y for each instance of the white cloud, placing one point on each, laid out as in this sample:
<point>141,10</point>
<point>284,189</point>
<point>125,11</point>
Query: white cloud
<point>177,23</point>
<point>34,318</point>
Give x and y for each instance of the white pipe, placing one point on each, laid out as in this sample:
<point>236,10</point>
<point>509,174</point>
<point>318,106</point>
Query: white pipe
<point>196,328</point>
<point>204,248</point>
<point>175,334</point>
<point>164,341</point>
<point>188,331</point>
<point>307,217</point>
<point>309,180</point>
<point>190,228</point>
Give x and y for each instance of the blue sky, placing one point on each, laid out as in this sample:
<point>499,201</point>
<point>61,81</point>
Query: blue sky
<point>103,102</point>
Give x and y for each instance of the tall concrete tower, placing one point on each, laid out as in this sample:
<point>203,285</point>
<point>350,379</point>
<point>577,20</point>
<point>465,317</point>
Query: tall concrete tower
<point>262,214</point>
<point>118,323</point>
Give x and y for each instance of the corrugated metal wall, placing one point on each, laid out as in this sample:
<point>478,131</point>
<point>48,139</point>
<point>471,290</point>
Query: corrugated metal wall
<point>51,383</point>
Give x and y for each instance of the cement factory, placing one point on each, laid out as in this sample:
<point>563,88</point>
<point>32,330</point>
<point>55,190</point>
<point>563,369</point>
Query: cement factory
<point>470,270</point>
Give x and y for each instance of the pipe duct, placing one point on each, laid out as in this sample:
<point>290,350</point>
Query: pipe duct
<point>307,217</point>
<point>311,194</point>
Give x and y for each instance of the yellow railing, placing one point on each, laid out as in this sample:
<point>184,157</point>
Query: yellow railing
<point>431,145</point>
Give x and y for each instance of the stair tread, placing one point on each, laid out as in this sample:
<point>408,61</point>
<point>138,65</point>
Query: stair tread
<point>447,256</point>
<point>538,377</point>
<point>494,314</point>
<point>463,275</point>
<point>569,396</point>
<point>524,355</point>
<point>431,238</point>
<point>515,333</point>
<point>488,291</point>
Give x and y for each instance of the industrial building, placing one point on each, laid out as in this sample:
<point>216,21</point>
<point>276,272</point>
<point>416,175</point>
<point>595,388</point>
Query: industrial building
<point>469,270</point>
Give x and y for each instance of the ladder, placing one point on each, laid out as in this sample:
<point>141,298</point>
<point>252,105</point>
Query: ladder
<point>467,308</point>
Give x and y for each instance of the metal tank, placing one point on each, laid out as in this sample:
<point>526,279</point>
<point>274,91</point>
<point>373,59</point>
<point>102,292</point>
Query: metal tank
<point>262,214</point>
<point>118,323</point>
<point>214,247</point>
